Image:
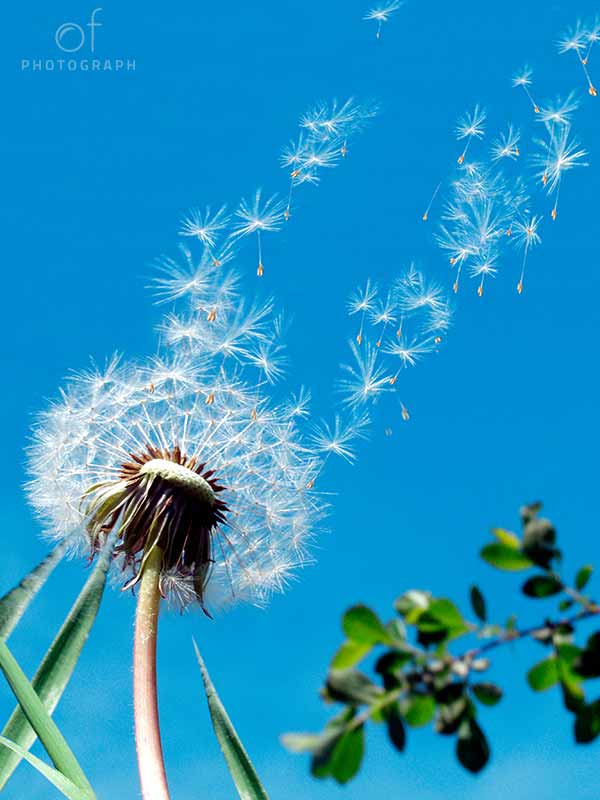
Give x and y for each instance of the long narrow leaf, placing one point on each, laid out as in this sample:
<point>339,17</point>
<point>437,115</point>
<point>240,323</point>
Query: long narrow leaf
<point>58,664</point>
<point>56,778</point>
<point>243,773</point>
<point>14,603</point>
<point>43,724</point>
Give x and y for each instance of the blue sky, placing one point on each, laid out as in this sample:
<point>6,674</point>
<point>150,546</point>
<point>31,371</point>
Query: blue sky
<point>99,167</point>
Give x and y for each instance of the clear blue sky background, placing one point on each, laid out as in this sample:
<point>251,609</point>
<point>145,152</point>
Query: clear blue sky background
<point>97,169</point>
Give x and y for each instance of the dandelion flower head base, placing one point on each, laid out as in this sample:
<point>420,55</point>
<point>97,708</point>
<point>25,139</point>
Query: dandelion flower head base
<point>165,500</point>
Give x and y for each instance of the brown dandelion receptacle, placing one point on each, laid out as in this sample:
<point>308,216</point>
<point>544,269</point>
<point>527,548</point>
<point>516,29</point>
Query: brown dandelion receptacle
<point>164,500</point>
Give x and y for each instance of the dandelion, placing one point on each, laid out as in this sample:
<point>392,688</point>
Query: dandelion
<point>523,79</point>
<point>257,217</point>
<point>526,237</point>
<point>506,145</point>
<point>560,154</point>
<point>470,127</point>
<point>576,40</point>
<point>381,14</point>
<point>193,465</point>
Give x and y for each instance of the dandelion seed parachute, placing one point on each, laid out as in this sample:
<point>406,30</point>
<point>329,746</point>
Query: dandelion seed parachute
<point>258,216</point>
<point>188,452</point>
<point>469,127</point>
<point>523,79</point>
<point>526,237</point>
<point>382,13</point>
<point>558,155</point>
<point>407,324</point>
<point>577,39</point>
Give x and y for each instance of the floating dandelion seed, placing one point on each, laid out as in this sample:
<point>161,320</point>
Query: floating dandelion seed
<point>338,121</point>
<point>556,114</point>
<point>470,127</point>
<point>523,79</point>
<point>257,217</point>
<point>526,236</point>
<point>592,36</point>
<point>483,267</point>
<point>506,145</point>
<point>361,302</point>
<point>576,40</point>
<point>205,227</point>
<point>560,154</point>
<point>407,324</point>
<point>381,14</point>
<point>291,158</point>
<point>425,216</point>
<point>340,438</point>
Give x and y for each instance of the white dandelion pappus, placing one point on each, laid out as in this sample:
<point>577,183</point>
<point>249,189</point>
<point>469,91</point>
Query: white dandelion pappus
<point>506,145</point>
<point>408,324</point>
<point>577,40</point>
<point>203,225</point>
<point>382,13</point>
<point>188,453</point>
<point>558,155</point>
<point>470,126</point>
<point>361,302</point>
<point>525,237</point>
<point>523,78</point>
<point>258,217</point>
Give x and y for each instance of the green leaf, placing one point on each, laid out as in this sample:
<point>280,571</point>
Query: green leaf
<point>243,773</point>
<point>587,723</point>
<point>347,755</point>
<point>504,557</point>
<point>507,538</point>
<point>362,625</point>
<point>58,664</point>
<point>472,749</point>
<point>543,675</point>
<point>14,603</point>
<point>583,576</point>
<point>587,663</point>
<point>542,586</point>
<point>53,776</point>
<point>570,682</point>
<point>349,654</point>
<point>478,604</point>
<point>442,620</point>
<point>43,724</point>
<point>418,710</point>
<point>487,693</point>
<point>395,726</point>
<point>351,686</point>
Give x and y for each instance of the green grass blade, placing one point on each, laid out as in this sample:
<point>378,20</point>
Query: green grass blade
<point>14,603</point>
<point>58,664</point>
<point>43,724</point>
<point>243,773</point>
<point>56,778</point>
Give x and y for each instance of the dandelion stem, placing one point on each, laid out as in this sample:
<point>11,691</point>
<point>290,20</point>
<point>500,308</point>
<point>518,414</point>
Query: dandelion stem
<point>151,766</point>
